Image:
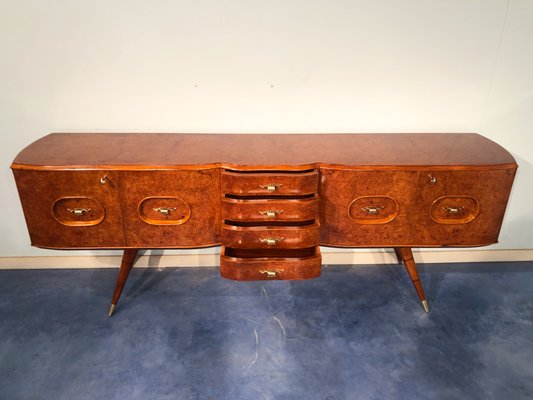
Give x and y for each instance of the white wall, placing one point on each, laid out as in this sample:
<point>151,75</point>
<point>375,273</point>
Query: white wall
<point>267,66</point>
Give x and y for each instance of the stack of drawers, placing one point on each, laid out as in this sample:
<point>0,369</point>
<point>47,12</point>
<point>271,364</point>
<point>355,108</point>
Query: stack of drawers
<point>270,225</point>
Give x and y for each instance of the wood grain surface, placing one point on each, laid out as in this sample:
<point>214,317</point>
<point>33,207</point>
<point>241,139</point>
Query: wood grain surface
<point>270,200</point>
<point>265,151</point>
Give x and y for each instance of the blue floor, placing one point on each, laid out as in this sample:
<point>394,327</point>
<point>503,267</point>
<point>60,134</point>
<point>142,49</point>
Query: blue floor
<point>185,333</point>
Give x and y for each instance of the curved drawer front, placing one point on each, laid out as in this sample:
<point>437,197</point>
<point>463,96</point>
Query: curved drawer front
<point>253,265</point>
<point>78,211</point>
<point>161,210</point>
<point>454,209</point>
<point>373,209</point>
<point>269,210</point>
<point>269,184</point>
<point>270,237</point>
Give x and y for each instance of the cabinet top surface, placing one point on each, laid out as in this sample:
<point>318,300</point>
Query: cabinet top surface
<point>261,151</point>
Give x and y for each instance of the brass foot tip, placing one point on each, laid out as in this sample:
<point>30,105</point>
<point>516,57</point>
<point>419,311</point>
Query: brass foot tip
<point>111,309</point>
<point>425,305</point>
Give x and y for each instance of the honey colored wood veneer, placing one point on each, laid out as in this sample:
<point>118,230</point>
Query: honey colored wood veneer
<point>269,200</point>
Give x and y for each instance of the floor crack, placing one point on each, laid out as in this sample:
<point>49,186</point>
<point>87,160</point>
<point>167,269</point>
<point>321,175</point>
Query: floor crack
<point>256,349</point>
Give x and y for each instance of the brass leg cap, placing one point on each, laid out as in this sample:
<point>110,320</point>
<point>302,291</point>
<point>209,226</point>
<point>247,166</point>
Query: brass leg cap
<point>111,309</point>
<point>425,305</point>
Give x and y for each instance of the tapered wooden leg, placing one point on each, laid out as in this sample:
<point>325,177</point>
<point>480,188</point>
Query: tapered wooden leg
<point>398,255</point>
<point>406,255</point>
<point>125,267</point>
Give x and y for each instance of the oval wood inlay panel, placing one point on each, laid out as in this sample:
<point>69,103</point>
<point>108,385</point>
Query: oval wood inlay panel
<point>164,211</point>
<point>454,209</point>
<point>373,209</point>
<point>78,211</point>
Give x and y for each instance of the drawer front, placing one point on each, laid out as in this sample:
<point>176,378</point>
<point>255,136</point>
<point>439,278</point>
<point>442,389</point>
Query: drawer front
<point>72,209</point>
<point>367,208</point>
<point>461,208</point>
<point>268,210</point>
<point>270,237</point>
<point>253,265</point>
<point>269,183</point>
<point>271,229</point>
<point>171,209</point>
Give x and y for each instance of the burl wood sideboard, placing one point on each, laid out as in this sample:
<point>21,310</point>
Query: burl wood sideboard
<point>269,200</point>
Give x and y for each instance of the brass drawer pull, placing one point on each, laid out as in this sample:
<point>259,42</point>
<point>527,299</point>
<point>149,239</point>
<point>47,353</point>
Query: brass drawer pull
<point>454,210</point>
<point>165,210</point>
<point>432,179</point>
<point>79,212</point>
<point>270,213</point>
<point>103,180</point>
<point>372,210</point>
<point>270,274</point>
<point>271,187</point>
<point>271,241</point>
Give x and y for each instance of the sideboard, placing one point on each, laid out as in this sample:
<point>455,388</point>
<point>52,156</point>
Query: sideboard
<point>270,200</point>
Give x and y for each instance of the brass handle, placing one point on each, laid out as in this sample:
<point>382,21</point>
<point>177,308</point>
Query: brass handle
<point>78,212</point>
<point>454,210</point>
<point>270,213</point>
<point>432,179</point>
<point>372,210</point>
<point>270,274</point>
<point>165,210</point>
<point>103,180</point>
<point>271,187</point>
<point>271,241</point>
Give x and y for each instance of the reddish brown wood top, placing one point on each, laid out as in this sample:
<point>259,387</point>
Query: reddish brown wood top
<point>261,151</point>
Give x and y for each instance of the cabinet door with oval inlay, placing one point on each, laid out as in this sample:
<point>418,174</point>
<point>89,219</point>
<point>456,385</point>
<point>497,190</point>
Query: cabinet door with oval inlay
<point>71,209</point>
<point>366,208</point>
<point>461,207</point>
<point>171,208</point>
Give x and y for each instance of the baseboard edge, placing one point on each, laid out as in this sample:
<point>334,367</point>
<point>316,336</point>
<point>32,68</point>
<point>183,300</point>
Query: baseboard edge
<point>348,257</point>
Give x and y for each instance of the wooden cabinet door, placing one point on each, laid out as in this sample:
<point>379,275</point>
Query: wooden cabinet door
<point>366,208</point>
<point>71,209</point>
<point>413,208</point>
<point>460,207</point>
<point>166,209</point>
